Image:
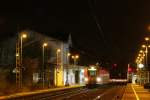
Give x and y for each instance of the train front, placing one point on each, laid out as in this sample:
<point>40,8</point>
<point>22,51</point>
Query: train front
<point>91,78</point>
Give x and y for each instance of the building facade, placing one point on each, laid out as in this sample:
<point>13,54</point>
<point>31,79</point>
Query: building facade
<point>33,64</point>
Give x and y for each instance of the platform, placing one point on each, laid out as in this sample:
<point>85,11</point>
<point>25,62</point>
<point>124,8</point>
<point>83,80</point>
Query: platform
<point>136,92</point>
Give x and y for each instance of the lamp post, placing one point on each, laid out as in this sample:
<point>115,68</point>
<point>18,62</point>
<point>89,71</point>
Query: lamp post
<point>67,69</point>
<point>140,65</point>
<point>57,57</point>
<point>23,36</point>
<point>43,63</point>
<point>146,46</point>
<point>146,52</point>
<point>75,62</point>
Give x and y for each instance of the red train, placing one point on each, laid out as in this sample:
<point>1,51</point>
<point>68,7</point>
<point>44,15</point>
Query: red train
<point>95,75</point>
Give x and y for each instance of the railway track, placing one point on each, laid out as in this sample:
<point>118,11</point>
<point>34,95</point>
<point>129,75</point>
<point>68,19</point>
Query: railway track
<point>75,93</point>
<point>45,95</point>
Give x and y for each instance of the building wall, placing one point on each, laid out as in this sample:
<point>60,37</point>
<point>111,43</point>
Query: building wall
<point>7,52</point>
<point>72,76</point>
<point>32,49</point>
<point>59,81</point>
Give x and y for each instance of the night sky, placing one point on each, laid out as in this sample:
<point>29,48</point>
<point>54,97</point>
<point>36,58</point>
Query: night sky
<point>106,30</point>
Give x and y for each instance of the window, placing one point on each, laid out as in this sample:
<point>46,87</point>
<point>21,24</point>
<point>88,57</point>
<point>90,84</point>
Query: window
<point>92,73</point>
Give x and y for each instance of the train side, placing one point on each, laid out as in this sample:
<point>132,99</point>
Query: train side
<point>95,75</point>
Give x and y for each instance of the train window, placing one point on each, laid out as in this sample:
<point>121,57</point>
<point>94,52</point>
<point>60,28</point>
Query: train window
<point>92,73</point>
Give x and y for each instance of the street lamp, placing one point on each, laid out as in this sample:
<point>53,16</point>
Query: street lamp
<point>67,69</point>
<point>75,57</point>
<point>23,36</point>
<point>140,65</point>
<point>146,52</point>
<point>146,38</point>
<point>57,57</point>
<point>146,46</point>
<point>43,68</point>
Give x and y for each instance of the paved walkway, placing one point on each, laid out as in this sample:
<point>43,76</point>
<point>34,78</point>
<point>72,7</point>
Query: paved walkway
<point>136,92</point>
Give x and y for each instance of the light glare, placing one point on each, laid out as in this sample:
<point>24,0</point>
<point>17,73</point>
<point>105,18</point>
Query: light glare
<point>58,50</point>
<point>24,35</point>
<point>140,65</point>
<point>44,44</point>
<point>146,38</point>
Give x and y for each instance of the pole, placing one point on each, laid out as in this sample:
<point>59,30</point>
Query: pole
<point>147,64</point>
<point>57,68</point>
<point>67,70</point>
<point>78,73</point>
<point>43,74</point>
<point>18,63</point>
<point>148,77</point>
<point>146,56</point>
<point>21,63</point>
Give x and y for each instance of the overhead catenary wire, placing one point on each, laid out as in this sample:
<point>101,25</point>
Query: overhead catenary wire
<point>93,14</point>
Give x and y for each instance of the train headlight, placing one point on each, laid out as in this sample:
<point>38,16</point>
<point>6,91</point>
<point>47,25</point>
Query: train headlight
<point>86,79</point>
<point>98,79</point>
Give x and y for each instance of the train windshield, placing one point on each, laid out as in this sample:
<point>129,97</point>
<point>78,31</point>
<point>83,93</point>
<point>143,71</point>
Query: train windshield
<point>92,73</point>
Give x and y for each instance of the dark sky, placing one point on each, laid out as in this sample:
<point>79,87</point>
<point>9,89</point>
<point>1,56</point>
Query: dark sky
<point>109,30</point>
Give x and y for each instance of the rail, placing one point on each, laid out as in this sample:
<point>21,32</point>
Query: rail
<point>42,94</point>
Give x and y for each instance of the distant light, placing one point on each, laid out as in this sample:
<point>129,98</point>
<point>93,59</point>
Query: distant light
<point>143,46</point>
<point>77,56</point>
<point>17,54</point>
<point>24,35</point>
<point>141,51</point>
<point>86,79</point>
<point>98,79</point>
<point>135,75</point>
<point>140,65</point>
<point>58,50</point>
<point>44,44</point>
<point>68,54</point>
<point>92,68</point>
<point>82,70</point>
<point>139,55</point>
<point>146,38</point>
<point>129,69</point>
<point>15,70</point>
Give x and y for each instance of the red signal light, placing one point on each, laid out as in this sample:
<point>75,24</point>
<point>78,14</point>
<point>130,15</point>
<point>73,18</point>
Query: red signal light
<point>114,65</point>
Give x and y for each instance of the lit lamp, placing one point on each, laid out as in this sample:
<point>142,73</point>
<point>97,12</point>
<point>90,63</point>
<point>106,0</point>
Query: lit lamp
<point>68,54</point>
<point>141,66</point>
<point>146,38</point>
